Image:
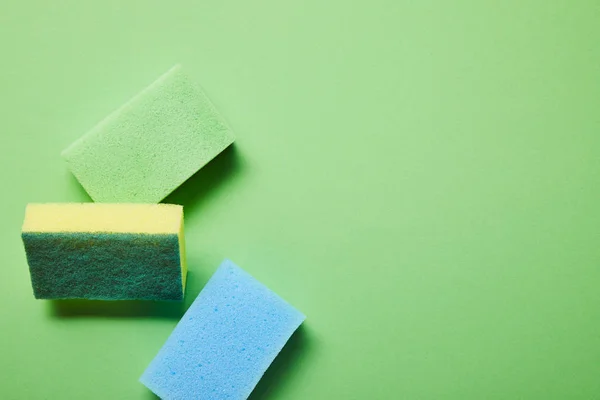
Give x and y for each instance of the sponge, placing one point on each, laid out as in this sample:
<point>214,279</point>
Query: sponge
<point>225,341</point>
<point>105,251</point>
<point>147,148</point>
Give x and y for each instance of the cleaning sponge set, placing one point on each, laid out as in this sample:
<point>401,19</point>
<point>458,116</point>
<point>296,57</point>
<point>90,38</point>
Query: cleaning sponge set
<point>139,154</point>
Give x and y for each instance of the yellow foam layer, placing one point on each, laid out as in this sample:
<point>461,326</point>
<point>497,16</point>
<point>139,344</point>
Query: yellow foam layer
<point>97,217</point>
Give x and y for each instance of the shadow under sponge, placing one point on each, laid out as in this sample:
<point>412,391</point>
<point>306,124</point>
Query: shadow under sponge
<point>144,150</point>
<point>105,251</point>
<point>225,341</point>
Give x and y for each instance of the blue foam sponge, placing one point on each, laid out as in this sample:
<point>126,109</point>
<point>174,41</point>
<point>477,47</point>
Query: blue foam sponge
<point>225,341</point>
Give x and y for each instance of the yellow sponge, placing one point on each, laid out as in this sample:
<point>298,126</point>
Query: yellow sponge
<point>105,251</point>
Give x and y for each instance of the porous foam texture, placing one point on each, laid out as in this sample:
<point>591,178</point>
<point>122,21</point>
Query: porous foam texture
<point>225,341</point>
<point>105,251</point>
<point>147,148</point>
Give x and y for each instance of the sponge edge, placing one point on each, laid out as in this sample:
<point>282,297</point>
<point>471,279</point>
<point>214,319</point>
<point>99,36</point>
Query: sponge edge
<point>225,341</point>
<point>152,144</point>
<point>105,251</point>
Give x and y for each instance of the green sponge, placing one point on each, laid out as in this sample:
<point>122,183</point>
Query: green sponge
<point>105,251</point>
<point>147,148</point>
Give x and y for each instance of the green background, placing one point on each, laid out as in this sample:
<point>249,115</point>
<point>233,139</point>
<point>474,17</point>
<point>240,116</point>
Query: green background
<point>420,178</point>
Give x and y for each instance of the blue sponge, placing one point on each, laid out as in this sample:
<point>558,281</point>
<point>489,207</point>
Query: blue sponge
<point>225,341</point>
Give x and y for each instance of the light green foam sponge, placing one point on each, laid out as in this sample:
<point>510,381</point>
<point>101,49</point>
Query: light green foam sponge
<point>152,144</point>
